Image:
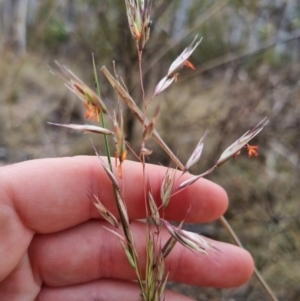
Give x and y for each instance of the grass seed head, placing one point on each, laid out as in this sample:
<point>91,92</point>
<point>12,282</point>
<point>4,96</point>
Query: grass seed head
<point>148,130</point>
<point>169,245</point>
<point>190,240</point>
<point>163,84</point>
<point>234,149</point>
<point>162,287</point>
<point>123,209</point>
<point>85,128</point>
<point>193,179</point>
<point>129,256</point>
<point>92,102</point>
<point>119,137</point>
<point>108,216</point>
<point>166,187</point>
<point>194,158</point>
<point>151,261</point>
<point>138,14</point>
<point>153,210</point>
<point>160,267</point>
<point>176,66</point>
<point>182,59</point>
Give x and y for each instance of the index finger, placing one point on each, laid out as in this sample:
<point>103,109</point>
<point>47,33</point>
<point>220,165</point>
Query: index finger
<point>54,194</point>
<point>49,195</point>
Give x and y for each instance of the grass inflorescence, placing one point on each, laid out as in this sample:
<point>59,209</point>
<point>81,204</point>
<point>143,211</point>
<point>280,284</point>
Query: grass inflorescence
<point>152,284</point>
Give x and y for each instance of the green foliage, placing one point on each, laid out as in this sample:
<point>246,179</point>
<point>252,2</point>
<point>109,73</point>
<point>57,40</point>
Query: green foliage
<point>55,33</point>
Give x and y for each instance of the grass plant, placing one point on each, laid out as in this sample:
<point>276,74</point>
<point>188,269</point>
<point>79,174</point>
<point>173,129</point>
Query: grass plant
<point>153,283</point>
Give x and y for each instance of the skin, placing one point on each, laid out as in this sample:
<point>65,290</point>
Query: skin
<point>53,245</point>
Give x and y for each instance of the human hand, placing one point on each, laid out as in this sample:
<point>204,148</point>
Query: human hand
<point>53,246</point>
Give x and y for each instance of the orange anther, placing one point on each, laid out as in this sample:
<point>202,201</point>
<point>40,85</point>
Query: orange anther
<point>252,150</point>
<point>190,65</point>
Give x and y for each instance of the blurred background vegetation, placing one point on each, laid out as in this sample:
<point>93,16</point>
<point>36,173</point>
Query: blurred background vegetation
<point>247,67</point>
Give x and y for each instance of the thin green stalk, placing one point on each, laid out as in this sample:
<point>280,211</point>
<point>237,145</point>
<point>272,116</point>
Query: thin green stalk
<point>124,226</point>
<point>140,54</point>
<point>150,262</point>
<point>101,114</point>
